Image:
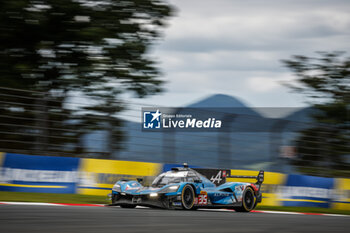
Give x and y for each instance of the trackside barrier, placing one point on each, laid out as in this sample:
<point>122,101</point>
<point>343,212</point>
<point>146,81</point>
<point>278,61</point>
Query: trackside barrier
<point>44,174</point>
<point>97,176</point>
<point>342,194</point>
<point>48,174</point>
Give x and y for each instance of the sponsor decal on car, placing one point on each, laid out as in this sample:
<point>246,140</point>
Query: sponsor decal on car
<point>221,194</point>
<point>128,187</point>
<point>239,188</point>
<point>216,176</point>
<point>202,199</point>
<point>177,203</point>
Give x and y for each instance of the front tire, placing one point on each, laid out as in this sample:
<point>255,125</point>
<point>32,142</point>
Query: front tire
<point>248,201</point>
<point>187,197</point>
<point>115,198</point>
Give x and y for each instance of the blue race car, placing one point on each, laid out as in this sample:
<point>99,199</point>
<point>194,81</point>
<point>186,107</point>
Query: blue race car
<point>186,188</point>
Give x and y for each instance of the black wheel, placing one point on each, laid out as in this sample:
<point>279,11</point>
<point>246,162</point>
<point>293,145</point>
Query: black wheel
<point>248,201</point>
<point>187,197</point>
<point>127,206</point>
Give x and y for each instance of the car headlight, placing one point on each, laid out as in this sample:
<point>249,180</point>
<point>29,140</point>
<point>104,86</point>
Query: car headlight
<point>170,189</point>
<point>116,188</point>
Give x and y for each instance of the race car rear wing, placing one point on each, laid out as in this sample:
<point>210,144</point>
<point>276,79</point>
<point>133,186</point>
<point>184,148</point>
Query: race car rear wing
<point>259,177</point>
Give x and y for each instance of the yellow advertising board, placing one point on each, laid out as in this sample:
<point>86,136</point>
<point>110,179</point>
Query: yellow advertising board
<point>97,176</point>
<point>342,194</point>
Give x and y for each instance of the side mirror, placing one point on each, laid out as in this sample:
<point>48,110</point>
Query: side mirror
<point>197,181</point>
<point>139,180</point>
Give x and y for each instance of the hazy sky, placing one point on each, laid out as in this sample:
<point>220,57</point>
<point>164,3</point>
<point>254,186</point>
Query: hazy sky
<point>234,47</point>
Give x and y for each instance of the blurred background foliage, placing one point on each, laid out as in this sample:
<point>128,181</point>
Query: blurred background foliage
<point>96,49</point>
<point>67,66</point>
<point>325,80</point>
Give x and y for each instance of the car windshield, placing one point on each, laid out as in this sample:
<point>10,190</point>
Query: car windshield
<point>170,177</point>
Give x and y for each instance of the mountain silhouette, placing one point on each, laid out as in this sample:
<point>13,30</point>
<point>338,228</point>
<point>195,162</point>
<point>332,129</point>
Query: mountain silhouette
<point>218,101</point>
<point>247,148</point>
<point>225,104</point>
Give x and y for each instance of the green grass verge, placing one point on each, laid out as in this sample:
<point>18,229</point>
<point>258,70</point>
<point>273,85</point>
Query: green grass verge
<point>89,199</point>
<point>52,197</point>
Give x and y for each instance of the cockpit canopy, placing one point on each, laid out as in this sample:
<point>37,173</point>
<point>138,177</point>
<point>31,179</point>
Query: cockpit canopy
<point>177,176</point>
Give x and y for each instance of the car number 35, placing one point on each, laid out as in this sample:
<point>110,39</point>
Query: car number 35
<point>202,199</point>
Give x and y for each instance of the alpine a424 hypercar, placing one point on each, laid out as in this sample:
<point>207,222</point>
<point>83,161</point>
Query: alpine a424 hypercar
<point>186,188</point>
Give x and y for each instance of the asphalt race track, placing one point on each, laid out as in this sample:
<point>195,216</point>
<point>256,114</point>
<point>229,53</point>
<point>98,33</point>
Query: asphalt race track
<point>66,219</point>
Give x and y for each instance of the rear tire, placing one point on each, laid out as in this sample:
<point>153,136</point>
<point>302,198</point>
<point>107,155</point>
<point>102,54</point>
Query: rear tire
<point>187,197</point>
<point>248,201</point>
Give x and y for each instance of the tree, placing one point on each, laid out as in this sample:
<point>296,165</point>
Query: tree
<point>324,148</point>
<point>97,49</point>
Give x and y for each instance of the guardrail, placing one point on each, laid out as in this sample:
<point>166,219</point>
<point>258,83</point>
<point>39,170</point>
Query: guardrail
<point>50,174</point>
